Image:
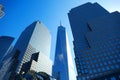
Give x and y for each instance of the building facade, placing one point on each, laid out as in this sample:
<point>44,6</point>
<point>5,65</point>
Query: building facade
<point>60,67</point>
<point>96,42</point>
<point>32,48</point>
<point>5,43</point>
<point>5,52</point>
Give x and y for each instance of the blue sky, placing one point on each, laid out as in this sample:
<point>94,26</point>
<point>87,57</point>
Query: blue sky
<point>21,13</point>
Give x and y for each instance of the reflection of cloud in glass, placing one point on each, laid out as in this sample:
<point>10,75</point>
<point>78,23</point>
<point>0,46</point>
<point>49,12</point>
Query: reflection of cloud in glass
<point>61,57</point>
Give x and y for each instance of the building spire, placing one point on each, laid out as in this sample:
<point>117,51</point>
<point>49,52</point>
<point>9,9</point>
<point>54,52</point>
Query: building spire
<point>60,23</point>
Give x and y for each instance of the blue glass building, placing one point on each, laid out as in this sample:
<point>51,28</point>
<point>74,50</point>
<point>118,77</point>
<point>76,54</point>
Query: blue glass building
<point>32,50</point>
<point>96,35</point>
<point>60,67</point>
<point>5,51</point>
<point>5,43</point>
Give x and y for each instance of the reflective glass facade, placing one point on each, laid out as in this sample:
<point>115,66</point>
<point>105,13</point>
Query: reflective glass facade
<point>60,67</point>
<point>43,64</point>
<point>34,39</point>
<point>5,55</point>
<point>5,43</point>
<point>96,42</point>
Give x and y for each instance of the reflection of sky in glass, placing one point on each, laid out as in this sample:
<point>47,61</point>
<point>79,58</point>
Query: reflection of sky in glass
<point>61,57</point>
<point>20,13</point>
<point>72,73</point>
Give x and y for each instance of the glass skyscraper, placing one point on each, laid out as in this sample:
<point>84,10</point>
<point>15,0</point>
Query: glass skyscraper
<point>5,43</point>
<point>32,50</point>
<point>5,51</point>
<point>96,42</point>
<point>60,67</point>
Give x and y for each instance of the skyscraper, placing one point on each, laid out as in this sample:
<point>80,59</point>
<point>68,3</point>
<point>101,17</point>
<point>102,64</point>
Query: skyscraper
<point>32,50</point>
<point>96,42</point>
<point>5,43</point>
<point>5,50</point>
<point>60,67</point>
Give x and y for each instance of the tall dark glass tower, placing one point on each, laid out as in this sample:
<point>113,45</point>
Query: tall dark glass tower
<point>96,35</point>
<point>5,43</point>
<point>5,51</point>
<point>60,67</point>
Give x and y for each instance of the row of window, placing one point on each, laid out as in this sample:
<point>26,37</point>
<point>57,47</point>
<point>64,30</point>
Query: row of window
<point>98,70</point>
<point>107,40</point>
<point>100,53</point>
<point>88,77</point>
<point>99,62</point>
<point>97,75</point>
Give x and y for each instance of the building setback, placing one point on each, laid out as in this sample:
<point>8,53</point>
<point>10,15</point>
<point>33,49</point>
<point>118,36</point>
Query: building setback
<point>96,42</point>
<point>60,67</point>
<point>32,50</point>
